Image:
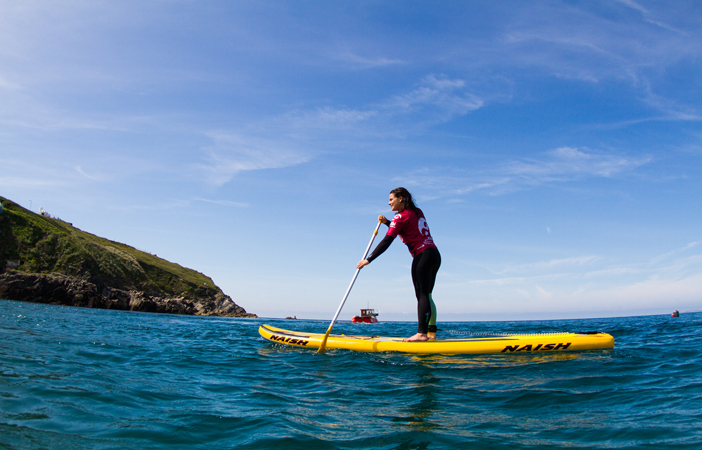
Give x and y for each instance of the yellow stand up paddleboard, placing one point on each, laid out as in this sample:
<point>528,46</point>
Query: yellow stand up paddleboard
<point>496,343</point>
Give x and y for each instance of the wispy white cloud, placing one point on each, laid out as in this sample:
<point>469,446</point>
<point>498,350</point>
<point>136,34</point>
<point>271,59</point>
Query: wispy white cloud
<point>672,110</point>
<point>570,286</point>
<point>652,294</point>
<point>607,47</point>
<point>320,122</point>
<point>568,270</point>
<point>632,4</point>
<point>556,51</point>
<point>233,153</point>
<point>566,164</point>
<point>366,62</point>
<point>646,14</point>
<point>551,264</point>
<point>446,94</point>
<point>27,183</point>
<point>519,281</point>
<point>23,174</point>
<point>598,41</point>
<point>612,271</point>
<point>8,85</point>
<point>79,169</point>
<point>31,169</point>
<point>571,162</point>
<point>671,253</point>
<point>561,165</point>
<point>681,266</point>
<point>434,100</point>
<point>227,203</point>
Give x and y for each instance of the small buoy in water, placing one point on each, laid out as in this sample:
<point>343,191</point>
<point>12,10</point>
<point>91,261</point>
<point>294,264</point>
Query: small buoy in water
<point>676,313</point>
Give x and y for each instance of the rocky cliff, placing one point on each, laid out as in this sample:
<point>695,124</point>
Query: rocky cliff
<point>46,260</point>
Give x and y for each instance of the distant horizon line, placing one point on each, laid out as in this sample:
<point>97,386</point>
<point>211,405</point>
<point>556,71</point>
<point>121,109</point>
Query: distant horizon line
<point>469,321</point>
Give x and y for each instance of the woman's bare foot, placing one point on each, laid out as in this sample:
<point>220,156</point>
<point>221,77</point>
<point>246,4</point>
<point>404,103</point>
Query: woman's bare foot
<point>431,335</point>
<point>419,337</point>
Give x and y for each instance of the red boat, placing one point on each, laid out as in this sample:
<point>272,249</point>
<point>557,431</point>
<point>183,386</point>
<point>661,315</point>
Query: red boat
<point>367,316</point>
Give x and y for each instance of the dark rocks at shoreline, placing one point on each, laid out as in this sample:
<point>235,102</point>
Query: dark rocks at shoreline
<point>58,289</point>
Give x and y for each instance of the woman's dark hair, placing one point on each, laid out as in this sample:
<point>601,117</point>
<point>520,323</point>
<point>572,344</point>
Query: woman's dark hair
<point>407,200</point>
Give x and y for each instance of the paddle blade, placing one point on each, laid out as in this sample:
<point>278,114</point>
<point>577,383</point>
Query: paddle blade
<point>323,345</point>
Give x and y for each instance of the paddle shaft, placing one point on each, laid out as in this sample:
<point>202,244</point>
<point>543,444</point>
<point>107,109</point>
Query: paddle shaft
<point>353,280</point>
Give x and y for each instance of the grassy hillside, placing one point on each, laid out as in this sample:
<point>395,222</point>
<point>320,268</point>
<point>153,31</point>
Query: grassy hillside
<point>45,245</point>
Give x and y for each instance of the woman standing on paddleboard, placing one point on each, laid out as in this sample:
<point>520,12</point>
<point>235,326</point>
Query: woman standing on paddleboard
<point>410,225</point>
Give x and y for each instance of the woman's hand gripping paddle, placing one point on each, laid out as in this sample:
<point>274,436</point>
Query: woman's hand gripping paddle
<point>355,275</point>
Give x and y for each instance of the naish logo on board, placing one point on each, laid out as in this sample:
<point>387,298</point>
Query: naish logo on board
<point>292,341</point>
<point>531,348</point>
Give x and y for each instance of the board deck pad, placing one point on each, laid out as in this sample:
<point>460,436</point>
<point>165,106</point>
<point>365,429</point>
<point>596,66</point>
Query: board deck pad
<point>484,344</point>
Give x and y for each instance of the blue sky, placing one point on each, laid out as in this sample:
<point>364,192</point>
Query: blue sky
<point>555,147</point>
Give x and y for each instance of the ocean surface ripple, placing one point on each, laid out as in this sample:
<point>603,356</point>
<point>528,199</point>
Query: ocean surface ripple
<point>95,379</point>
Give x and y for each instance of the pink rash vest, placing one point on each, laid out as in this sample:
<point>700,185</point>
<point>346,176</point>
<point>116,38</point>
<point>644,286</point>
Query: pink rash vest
<point>412,228</point>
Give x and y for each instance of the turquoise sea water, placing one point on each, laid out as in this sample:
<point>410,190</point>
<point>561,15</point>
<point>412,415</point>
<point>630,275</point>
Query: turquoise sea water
<point>73,378</point>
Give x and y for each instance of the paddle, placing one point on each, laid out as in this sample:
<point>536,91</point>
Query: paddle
<point>355,275</point>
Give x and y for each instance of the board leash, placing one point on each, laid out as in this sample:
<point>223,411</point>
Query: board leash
<point>474,333</point>
<point>486,334</point>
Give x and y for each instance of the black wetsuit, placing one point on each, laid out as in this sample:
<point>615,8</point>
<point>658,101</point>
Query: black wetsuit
<point>412,229</point>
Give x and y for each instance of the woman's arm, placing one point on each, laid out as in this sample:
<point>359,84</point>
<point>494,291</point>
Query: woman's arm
<point>382,246</point>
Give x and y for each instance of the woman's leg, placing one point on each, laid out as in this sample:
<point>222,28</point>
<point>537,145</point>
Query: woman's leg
<point>424,269</point>
<point>431,326</point>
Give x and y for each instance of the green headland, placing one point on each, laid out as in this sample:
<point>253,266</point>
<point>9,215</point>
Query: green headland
<point>47,260</point>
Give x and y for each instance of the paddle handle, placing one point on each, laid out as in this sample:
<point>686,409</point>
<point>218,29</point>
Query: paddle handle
<point>353,280</point>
